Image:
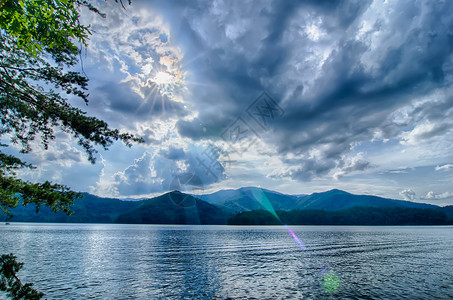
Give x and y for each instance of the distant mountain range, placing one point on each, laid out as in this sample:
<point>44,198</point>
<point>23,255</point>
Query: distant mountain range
<point>244,199</point>
<point>216,208</point>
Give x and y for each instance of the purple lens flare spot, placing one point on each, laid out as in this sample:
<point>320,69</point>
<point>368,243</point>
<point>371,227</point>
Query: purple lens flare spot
<point>298,241</point>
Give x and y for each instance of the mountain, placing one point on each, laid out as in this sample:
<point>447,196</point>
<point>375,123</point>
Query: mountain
<point>448,210</point>
<point>89,209</point>
<point>174,208</point>
<point>340,200</point>
<point>179,208</point>
<point>250,198</point>
<point>171,208</point>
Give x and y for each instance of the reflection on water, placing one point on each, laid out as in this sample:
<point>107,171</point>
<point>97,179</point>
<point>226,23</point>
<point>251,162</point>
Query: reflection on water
<point>80,261</point>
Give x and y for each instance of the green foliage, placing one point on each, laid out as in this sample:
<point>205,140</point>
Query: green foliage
<point>12,285</point>
<point>40,24</point>
<point>56,196</point>
<point>46,25</point>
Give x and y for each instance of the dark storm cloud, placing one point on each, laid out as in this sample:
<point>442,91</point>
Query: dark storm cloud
<point>342,71</point>
<point>227,77</point>
<point>351,97</point>
<point>238,73</point>
<point>197,130</point>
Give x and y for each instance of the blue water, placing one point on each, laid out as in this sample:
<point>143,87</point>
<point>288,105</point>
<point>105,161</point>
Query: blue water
<point>89,261</point>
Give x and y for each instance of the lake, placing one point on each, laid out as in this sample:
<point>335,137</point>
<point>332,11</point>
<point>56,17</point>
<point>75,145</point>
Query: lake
<point>110,261</point>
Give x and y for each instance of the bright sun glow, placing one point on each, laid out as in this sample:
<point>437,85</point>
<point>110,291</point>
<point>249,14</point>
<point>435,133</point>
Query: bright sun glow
<point>163,78</point>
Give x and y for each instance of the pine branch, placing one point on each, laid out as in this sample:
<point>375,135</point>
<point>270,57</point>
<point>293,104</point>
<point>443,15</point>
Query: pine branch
<point>10,283</point>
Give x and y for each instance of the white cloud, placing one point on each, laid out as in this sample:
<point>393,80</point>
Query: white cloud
<point>351,164</point>
<point>446,167</point>
<point>423,132</point>
<point>156,172</point>
<point>408,194</point>
<point>314,32</point>
<point>433,196</point>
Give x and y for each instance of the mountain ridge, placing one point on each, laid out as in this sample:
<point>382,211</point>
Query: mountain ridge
<point>239,200</point>
<point>179,208</point>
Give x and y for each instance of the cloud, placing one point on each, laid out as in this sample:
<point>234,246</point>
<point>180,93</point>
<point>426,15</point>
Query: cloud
<point>173,153</point>
<point>362,84</point>
<point>141,177</point>
<point>423,132</point>
<point>433,196</point>
<point>63,162</point>
<point>306,169</point>
<point>356,163</point>
<point>398,171</point>
<point>134,67</point>
<point>408,194</point>
<point>60,152</point>
<point>338,71</point>
<point>157,172</point>
<point>446,167</point>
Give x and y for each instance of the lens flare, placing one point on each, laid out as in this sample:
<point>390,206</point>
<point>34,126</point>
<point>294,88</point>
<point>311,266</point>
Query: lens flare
<point>331,282</point>
<point>261,198</point>
<point>298,241</point>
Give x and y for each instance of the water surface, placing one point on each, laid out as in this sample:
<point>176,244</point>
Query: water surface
<point>90,261</point>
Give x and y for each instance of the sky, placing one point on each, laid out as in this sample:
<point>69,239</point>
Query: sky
<point>292,96</point>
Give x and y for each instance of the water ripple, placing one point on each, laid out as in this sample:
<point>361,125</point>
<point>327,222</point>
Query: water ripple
<point>83,261</point>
